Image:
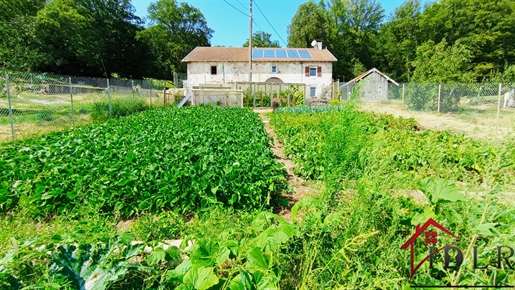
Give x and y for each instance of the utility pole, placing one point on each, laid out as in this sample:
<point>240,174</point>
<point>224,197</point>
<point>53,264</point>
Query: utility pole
<point>250,57</point>
<point>250,46</point>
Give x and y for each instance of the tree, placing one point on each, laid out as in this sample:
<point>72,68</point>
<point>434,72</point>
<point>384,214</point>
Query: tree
<point>485,27</point>
<point>399,38</point>
<point>442,63</point>
<point>175,30</point>
<point>262,39</point>
<point>355,27</point>
<point>19,45</point>
<point>308,24</point>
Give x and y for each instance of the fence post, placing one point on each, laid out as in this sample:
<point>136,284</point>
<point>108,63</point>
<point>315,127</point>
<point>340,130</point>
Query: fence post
<point>150,92</point>
<point>10,105</point>
<point>253,92</point>
<point>164,95</point>
<point>438,113</point>
<point>71,98</point>
<point>289,86</point>
<point>132,83</point>
<point>402,99</point>
<point>108,98</point>
<point>498,111</point>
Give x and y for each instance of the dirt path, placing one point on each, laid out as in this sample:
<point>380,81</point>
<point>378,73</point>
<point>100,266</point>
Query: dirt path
<point>300,186</point>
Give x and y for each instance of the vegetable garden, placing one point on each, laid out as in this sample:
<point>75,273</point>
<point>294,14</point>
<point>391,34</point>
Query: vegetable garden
<point>207,176</point>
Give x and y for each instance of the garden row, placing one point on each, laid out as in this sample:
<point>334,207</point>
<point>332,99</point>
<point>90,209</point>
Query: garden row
<point>383,177</point>
<point>183,159</point>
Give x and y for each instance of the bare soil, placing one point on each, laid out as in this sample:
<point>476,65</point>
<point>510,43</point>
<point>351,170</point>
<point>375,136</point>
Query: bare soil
<point>301,187</point>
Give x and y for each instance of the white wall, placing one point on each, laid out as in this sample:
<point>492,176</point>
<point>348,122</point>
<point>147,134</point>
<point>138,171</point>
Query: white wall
<point>231,72</point>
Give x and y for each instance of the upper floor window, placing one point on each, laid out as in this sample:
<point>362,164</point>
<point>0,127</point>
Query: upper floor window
<point>213,69</point>
<point>313,71</point>
<point>274,69</point>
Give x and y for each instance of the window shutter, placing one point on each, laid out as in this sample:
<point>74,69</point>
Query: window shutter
<point>319,71</point>
<point>307,71</point>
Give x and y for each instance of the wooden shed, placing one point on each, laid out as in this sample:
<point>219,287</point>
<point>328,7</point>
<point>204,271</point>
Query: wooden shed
<point>371,85</point>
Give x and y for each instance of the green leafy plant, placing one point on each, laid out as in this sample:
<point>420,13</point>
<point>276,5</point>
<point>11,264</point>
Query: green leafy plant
<point>189,158</point>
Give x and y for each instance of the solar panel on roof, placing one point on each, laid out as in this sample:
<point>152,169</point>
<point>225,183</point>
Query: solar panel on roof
<point>292,53</point>
<point>280,53</point>
<point>304,54</point>
<point>269,53</point>
<point>257,53</point>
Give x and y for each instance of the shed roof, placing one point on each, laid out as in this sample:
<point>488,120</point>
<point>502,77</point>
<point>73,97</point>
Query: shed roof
<point>241,54</point>
<point>363,75</point>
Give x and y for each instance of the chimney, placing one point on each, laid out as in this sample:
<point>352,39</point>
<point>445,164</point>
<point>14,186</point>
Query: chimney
<point>317,45</point>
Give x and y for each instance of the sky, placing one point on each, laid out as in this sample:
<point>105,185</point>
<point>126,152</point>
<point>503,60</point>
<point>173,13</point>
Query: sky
<point>231,27</point>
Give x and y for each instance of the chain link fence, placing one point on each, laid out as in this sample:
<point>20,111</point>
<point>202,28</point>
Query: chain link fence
<point>37,103</point>
<point>483,111</point>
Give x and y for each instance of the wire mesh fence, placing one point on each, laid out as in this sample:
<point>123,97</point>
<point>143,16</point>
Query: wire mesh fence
<point>485,111</point>
<point>37,103</point>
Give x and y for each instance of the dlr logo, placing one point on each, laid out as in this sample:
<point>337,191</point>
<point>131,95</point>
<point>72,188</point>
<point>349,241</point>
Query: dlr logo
<point>456,255</point>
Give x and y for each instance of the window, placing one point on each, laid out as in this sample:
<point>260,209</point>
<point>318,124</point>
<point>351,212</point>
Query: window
<point>213,69</point>
<point>314,71</point>
<point>274,69</point>
<point>313,92</point>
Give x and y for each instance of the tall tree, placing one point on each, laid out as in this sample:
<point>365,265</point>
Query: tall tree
<point>262,39</point>
<point>399,38</point>
<point>485,27</point>
<point>355,27</point>
<point>19,44</point>
<point>308,24</point>
<point>175,30</point>
<point>442,63</point>
<point>111,37</point>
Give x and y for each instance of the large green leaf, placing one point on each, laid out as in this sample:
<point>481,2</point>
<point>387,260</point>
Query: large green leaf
<point>201,278</point>
<point>484,229</point>
<point>257,259</point>
<point>156,256</point>
<point>441,189</point>
<point>180,271</point>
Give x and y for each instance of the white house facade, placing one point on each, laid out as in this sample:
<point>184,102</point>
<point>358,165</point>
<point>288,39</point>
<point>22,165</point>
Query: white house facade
<point>222,65</point>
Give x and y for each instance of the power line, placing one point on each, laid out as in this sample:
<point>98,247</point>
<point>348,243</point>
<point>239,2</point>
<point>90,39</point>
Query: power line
<point>241,4</point>
<point>236,8</point>
<point>253,20</point>
<point>285,44</point>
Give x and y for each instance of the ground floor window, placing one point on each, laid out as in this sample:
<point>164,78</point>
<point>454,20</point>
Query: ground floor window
<point>313,91</point>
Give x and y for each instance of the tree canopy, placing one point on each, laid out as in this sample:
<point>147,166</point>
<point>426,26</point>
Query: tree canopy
<point>480,32</point>
<point>98,37</point>
<point>262,39</point>
<point>444,41</point>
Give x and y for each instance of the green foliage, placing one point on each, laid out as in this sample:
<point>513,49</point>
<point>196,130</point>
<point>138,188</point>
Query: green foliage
<point>175,30</point>
<point>229,262</point>
<point>264,99</point>
<point>262,39</point>
<point>440,63</point>
<point>368,163</point>
<point>120,107</point>
<point>308,24</point>
<point>155,160</point>
<point>165,225</point>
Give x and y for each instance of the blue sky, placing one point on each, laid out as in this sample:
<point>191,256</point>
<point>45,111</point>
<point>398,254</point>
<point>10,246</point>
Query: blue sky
<point>232,27</point>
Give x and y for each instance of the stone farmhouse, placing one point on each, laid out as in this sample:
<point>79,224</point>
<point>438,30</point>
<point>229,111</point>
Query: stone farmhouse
<point>312,67</point>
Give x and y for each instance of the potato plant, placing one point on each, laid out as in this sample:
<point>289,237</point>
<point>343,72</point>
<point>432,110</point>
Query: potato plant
<point>184,159</point>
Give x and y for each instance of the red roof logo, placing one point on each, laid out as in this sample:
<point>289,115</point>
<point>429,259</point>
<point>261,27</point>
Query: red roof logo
<point>430,237</point>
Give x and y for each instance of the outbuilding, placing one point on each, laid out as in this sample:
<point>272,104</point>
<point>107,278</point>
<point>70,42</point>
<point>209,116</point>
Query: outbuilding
<point>370,85</point>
